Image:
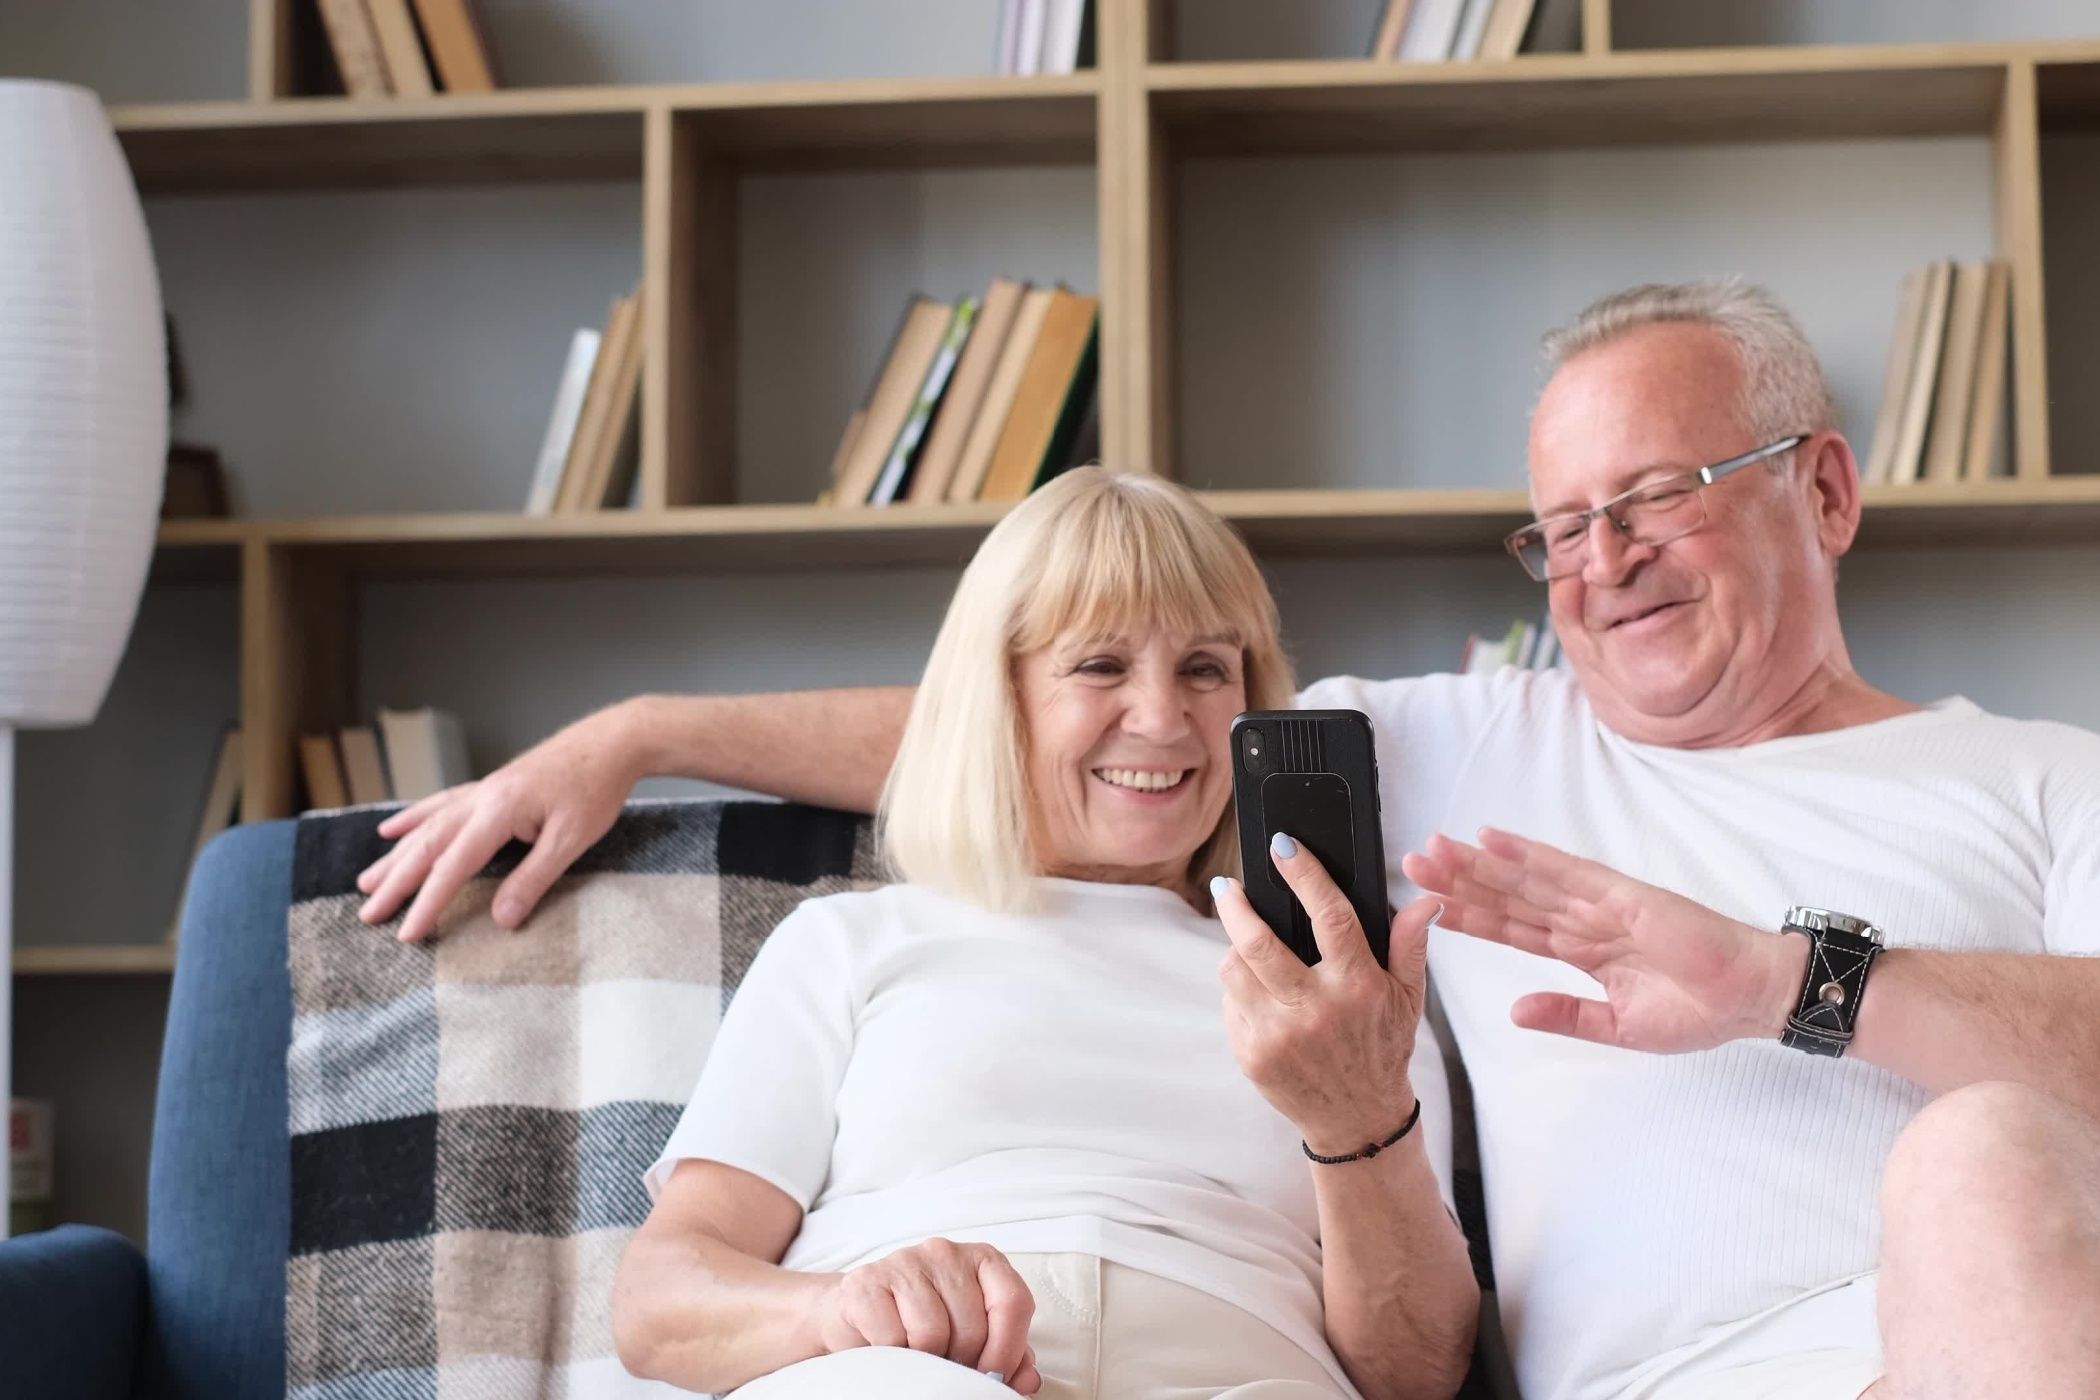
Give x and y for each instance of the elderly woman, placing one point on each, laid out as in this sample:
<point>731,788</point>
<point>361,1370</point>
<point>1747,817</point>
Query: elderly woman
<point>981,1131</point>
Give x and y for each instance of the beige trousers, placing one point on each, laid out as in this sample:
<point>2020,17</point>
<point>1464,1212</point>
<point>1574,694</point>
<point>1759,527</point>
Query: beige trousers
<point>1101,1332</point>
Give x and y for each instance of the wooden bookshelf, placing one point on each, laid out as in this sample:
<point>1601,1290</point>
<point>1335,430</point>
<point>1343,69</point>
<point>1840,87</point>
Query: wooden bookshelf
<point>95,960</point>
<point>1133,118</point>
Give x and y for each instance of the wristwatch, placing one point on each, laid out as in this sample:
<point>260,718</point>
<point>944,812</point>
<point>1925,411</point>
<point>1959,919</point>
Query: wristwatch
<point>1841,951</point>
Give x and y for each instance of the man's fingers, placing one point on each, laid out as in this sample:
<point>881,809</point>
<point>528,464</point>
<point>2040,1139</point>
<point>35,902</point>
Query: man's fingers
<point>412,816</point>
<point>1492,925</point>
<point>1336,929</point>
<point>526,886</point>
<point>1008,1309</point>
<point>1585,879</point>
<point>410,862</point>
<point>1578,1017</point>
<point>1275,966</point>
<point>1460,873</point>
<point>460,861</point>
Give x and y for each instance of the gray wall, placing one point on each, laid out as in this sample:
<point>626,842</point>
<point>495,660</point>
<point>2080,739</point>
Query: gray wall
<point>1358,320</point>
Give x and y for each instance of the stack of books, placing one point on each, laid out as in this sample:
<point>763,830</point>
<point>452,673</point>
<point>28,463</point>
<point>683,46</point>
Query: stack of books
<point>381,51</point>
<point>1045,36</point>
<point>982,399</point>
<point>1439,31</point>
<point>1943,395</point>
<point>410,755</point>
<point>1533,646</point>
<point>589,452</point>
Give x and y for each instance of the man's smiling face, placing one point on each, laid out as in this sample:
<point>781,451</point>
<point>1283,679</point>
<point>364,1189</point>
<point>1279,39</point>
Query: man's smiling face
<point>1678,642</point>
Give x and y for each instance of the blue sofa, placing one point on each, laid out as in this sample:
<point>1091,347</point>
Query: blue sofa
<point>201,1314</point>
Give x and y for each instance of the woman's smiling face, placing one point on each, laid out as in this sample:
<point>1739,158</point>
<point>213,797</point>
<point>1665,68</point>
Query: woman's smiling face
<point>1128,751</point>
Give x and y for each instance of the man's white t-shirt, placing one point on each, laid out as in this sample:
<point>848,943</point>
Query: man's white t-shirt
<point>905,1065</point>
<point>1651,1215</point>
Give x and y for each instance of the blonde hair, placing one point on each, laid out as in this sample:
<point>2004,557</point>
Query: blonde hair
<point>1784,390</point>
<point>1096,551</point>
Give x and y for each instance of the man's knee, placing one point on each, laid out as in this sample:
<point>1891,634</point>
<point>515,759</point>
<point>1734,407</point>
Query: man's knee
<point>2003,1165</point>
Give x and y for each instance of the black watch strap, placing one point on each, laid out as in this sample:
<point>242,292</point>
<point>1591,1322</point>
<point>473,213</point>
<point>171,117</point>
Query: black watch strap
<point>1842,950</point>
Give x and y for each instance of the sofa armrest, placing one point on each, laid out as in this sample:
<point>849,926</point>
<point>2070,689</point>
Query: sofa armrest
<point>72,1314</point>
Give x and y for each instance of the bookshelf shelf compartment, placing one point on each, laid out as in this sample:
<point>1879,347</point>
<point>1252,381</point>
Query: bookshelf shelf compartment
<point>597,133</point>
<point>338,143</point>
<point>1569,101</point>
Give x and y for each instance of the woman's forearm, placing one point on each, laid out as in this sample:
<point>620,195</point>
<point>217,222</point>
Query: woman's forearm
<point>699,1314</point>
<point>832,748</point>
<point>1401,1301</point>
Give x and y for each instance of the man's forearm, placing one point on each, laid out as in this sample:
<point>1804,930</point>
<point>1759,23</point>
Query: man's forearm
<point>1946,1020</point>
<point>1401,1301</point>
<point>832,748</point>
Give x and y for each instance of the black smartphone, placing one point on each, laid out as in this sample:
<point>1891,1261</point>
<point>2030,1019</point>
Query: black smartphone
<point>1312,774</point>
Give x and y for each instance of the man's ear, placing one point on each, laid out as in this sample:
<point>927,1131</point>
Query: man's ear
<point>1830,476</point>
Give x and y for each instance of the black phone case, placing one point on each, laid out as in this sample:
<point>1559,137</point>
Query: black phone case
<point>1312,774</point>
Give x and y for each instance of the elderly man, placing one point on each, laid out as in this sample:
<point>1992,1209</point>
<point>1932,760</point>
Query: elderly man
<point>1817,1110</point>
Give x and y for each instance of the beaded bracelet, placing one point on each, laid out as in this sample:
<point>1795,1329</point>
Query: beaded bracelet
<point>1370,1149</point>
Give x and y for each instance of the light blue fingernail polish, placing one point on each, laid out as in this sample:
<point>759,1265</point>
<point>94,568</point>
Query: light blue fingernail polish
<point>1218,885</point>
<point>1282,846</point>
<point>997,1376</point>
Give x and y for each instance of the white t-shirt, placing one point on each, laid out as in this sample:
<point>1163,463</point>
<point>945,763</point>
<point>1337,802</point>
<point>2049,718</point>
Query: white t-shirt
<point>905,1065</point>
<point>1651,1215</point>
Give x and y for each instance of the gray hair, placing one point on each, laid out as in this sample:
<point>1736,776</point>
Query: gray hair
<point>1784,391</point>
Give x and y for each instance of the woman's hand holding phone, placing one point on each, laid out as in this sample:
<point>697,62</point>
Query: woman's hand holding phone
<point>1328,1045</point>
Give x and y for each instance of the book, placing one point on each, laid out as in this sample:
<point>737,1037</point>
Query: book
<point>1028,49</point>
<point>935,471</point>
<point>1077,435</point>
<point>355,45</point>
<point>1924,374</point>
<point>221,804</point>
<point>1895,377</point>
<point>609,467</point>
<point>402,49</point>
<point>1006,59</point>
<point>562,419</point>
<point>1064,33</point>
<point>1431,31</point>
<point>426,751</point>
<point>1987,404</point>
<point>1506,25</point>
<point>364,770</point>
<point>904,454</point>
<point>1947,440</point>
<point>983,441</point>
<point>889,403</point>
<point>1392,26</point>
<point>1041,402</point>
<point>1556,27</point>
<point>1472,28</point>
<point>323,772</point>
<point>596,416</point>
<point>30,1160</point>
<point>458,46</point>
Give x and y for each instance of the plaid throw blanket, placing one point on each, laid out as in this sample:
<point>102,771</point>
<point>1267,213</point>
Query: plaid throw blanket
<point>470,1118</point>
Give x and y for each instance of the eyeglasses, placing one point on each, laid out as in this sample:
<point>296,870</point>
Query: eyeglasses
<point>1656,513</point>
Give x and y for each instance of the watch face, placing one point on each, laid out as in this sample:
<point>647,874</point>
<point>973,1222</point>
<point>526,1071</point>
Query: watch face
<point>1809,917</point>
